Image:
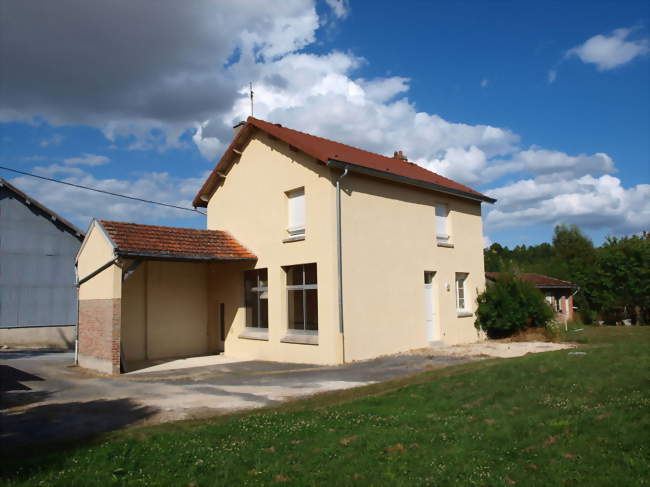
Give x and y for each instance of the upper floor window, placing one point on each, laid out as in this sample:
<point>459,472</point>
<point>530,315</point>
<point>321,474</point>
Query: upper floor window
<point>461,292</point>
<point>302,297</point>
<point>442,224</point>
<point>256,292</point>
<point>296,201</point>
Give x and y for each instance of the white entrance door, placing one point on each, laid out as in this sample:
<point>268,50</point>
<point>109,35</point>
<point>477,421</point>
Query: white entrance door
<point>428,305</point>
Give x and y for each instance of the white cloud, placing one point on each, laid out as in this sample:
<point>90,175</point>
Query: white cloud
<point>192,73</point>
<point>80,206</point>
<point>87,160</point>
<point>609,51</point>
<point>588,201</point>
<point>462,165</point>
<point>548,162</point>
<point>341,8</point>
<point>56,139</point>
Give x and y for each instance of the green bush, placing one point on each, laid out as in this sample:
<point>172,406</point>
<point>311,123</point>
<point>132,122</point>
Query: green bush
<point>509,305</point>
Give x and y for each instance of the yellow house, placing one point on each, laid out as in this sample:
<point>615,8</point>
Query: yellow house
<point>315,252</point>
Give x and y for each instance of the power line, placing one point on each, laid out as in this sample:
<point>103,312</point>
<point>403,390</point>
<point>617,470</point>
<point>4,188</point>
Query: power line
<point>142,200</point>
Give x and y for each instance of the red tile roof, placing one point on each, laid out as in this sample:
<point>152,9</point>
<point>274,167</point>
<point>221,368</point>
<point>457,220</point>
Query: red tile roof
<point>537,280</point>
<point>325,150</point>
<point>136,240</point>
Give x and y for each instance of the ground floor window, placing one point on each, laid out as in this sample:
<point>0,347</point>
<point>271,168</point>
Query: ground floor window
<point>256,294</point>
<point>302,297</point>
<point>461,292</point>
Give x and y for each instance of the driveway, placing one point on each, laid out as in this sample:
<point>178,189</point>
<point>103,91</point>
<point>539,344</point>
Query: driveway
<point>44,399</point>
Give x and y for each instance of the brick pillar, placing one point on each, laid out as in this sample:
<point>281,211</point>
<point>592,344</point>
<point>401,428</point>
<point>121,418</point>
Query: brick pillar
<point>99,334</point>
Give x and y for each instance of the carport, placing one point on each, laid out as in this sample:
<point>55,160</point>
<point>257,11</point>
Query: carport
<point>149,293</point>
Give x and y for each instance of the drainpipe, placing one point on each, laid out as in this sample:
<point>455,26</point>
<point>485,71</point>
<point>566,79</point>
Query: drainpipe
<point>566,320</point>
<point>339,252</point>
<point>76,339</point>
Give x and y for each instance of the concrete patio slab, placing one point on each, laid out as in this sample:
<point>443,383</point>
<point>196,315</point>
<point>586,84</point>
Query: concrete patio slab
<point>184,363</point>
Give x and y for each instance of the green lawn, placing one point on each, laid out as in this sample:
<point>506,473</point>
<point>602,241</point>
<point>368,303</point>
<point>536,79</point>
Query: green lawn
<point>547,419</point>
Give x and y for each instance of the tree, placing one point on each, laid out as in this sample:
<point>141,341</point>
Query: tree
<point>623,280</point>
<point>575,258</point>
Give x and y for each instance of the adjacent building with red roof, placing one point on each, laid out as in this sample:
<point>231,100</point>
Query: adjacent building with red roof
<point>558,293</point>
<point>315,252</point>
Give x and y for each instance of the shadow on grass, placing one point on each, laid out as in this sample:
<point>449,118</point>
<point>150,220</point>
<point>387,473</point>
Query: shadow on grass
<point>66,423</point>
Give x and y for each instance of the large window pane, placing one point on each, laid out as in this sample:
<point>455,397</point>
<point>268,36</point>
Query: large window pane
<point>311,309</point>
<point>302,297</point>
<point>310,273</point>
<point>264,311</point>
<point>249,298</point>
<point>256,298</point>
<point>262,275</point>
<point>294,275</point>
<point>296,311</point>
<point>255,305</point>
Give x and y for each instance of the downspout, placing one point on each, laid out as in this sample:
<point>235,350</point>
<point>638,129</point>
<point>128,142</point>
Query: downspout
<point>566,321</point>
<point>76,339</point>
<point>339,251</point>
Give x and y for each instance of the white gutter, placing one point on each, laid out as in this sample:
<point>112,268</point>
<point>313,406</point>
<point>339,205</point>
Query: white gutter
<point>339,251</point>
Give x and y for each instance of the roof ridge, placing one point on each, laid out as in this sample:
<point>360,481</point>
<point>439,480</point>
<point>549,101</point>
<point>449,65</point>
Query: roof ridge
<point>333,141</point>
<point>168,227</point>
<point>544,275</point>
<point>388,158</point>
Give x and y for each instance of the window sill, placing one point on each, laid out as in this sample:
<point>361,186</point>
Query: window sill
<point>301,338</point>
<point>464,314</point>
<point>294,238</point>
<point>254,334</point>
<point>445,244</point>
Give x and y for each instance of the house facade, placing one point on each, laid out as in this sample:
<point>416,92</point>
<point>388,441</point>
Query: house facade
<point>38,297</point>
<point>336,255</point>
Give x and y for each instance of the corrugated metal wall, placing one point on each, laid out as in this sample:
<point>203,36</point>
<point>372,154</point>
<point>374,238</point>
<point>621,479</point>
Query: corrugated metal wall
<point>36,267</point>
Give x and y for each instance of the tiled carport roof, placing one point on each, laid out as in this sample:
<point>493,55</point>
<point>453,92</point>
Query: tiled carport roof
<point>538,280</point>
<point>173,243</point>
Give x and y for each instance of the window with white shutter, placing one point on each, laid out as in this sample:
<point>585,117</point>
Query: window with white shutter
<point>442,224</point>
<point>296,200</point>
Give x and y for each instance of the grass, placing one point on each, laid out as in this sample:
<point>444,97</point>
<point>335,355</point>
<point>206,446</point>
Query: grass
<point>546,419</point>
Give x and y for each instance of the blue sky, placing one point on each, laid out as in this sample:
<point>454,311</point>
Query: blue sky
<point>544,105</point>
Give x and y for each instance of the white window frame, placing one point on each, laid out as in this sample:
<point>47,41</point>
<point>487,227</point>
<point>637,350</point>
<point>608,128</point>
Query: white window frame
<point>301,287</point>
<point>296,231</point>
<point>443,236</point>
<point>461,301</point>
<point>258,291</point>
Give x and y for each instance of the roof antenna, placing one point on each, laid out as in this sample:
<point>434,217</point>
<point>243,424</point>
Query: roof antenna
<point>251,93</point>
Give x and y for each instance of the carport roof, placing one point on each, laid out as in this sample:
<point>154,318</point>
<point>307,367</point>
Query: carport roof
<point>173,243</point>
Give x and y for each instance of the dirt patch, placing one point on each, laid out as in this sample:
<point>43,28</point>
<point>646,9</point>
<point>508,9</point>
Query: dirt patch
<point>528,335</point>
<point>495,348</point>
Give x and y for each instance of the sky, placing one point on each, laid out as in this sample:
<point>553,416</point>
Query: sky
<point>542,105</point>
